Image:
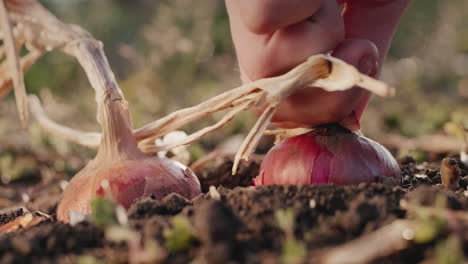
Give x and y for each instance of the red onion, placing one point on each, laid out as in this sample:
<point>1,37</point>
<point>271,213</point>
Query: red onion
<point>124,168</point>
<point>127,180</point>
<point>329,154</point>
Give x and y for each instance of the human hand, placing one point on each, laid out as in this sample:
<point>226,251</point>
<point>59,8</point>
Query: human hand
<point>273,36</point>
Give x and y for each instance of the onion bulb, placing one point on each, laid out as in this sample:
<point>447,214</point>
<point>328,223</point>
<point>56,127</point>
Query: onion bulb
<point>126,180</point>
<point>128,172</point>
<point>328,154</point>
<point>122,170</point>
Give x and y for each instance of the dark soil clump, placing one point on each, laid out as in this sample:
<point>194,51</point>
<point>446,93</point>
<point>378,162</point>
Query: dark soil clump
<point>229,224</point>
<point>7,217</point>
<point>221,175</point>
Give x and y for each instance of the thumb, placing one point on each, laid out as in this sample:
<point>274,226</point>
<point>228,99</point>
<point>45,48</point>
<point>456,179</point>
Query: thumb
<point>362,54</point>
<point>374,20</point>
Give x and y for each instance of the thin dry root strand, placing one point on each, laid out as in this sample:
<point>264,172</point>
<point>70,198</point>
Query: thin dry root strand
<point>27,220</point>
<point>44,32</point>
<point>6,83</point>
<point>151,148</point>
<point>14,64</point>
<point>252,139</point>
<point>182,117</point>
<point>199,164</point>
<point>26,61</point>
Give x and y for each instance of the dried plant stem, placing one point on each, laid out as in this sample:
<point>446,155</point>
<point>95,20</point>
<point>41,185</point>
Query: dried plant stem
<point>200,133</point>
<point>91,139</point>
<point>317,71</point>
<point>266,91</point>
<point>112,112</point>
<point>43,31</point>
<point>26,62</point>
<point>252,139</point>
<point>182,117</point>
<point>213,155</point>
<point>16,72</point>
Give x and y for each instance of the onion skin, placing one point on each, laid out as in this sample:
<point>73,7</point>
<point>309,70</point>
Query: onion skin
<point>329,154</point>
<point>128,180</point>
<point>129,172</point>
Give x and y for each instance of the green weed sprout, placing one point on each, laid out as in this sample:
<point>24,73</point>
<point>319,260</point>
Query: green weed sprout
<point>449,251</point>
<point>180,237</point>
<point>103,212</point>
<point>428,225</point>
<point>292,250</point>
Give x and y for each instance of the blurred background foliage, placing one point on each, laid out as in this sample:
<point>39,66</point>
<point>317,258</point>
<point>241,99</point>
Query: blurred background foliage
<point>428,63</point>
<point>170,54</point>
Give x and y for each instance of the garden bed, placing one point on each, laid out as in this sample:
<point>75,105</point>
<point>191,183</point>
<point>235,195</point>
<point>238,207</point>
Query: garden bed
<point>234,222</point>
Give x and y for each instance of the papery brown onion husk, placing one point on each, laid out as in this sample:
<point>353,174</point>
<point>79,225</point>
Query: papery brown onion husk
<point>328,154</point>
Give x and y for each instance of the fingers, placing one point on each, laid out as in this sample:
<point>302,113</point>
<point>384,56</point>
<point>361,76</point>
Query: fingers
<point>364,55</point>
<point>272,54</point>
<point>361,53</point>
<point>19,3</point>
<point>266,16</point>
<point>374,20</point>
<point>311,107</point>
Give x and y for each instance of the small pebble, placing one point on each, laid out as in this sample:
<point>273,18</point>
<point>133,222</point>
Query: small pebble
<point>214,194</point>
<point>63,184</point>
<point>75,217</point>
<point>121,214</point>
<point>408,234</point>
<point>420,175</point>
<point>464,182</point>
<point>312,203</point>
<point>25,197</point>
<point>450,173</point>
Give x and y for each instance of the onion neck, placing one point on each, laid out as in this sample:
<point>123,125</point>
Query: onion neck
<point>118,142</point>
<point>332,128</point>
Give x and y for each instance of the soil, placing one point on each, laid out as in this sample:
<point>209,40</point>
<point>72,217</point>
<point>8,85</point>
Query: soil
<point>236,222</point>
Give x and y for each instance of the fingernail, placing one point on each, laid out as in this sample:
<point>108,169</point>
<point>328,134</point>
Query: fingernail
<point>367,65</point>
